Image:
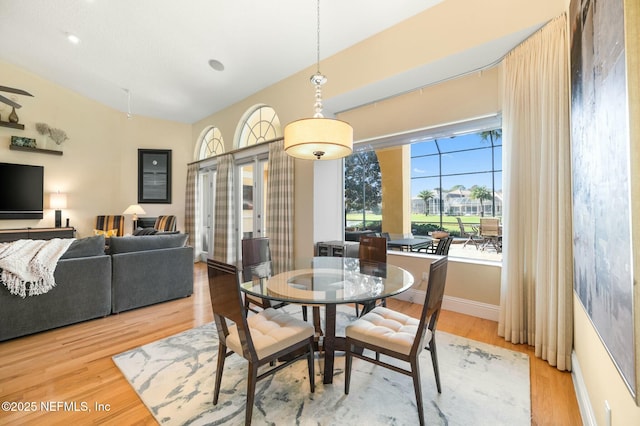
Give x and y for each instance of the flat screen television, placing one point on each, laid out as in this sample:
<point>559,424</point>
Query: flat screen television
<point>21,191</point>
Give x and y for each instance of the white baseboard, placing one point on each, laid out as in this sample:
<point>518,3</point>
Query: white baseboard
<point>584,404</point>
<point>456,304</point>
<point>411,295</point>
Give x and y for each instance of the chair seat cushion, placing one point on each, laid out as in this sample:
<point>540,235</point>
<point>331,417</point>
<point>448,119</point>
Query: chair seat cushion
<point>271,331</point>
<point>386,328</point>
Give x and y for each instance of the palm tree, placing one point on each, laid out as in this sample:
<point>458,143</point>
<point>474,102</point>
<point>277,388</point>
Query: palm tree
<point>426,195</point>
<point>480,193</point>
<point>491,135</point>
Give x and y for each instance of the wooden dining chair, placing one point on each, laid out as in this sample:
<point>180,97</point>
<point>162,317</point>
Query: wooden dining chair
<point>442,248</point>
<point>372,250</point>
<point>400,336</point>
<point>261,339</point>
<point>257,265</point>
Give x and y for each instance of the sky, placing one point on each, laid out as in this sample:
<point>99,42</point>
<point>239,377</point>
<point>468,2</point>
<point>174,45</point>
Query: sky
<point>460,155</point>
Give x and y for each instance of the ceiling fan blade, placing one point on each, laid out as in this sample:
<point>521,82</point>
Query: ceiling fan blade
<point>9,102</point>
<point>16,91</point>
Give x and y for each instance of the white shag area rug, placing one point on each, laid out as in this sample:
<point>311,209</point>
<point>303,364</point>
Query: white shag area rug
<point>481,385</point>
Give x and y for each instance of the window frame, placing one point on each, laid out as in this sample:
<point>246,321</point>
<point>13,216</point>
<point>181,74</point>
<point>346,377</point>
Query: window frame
<point>447,130</point>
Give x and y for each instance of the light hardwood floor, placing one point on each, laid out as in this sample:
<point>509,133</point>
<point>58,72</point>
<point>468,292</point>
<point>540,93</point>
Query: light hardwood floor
<point>73,365</point>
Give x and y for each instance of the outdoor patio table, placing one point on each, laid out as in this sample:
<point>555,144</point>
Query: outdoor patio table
<point>410,244</point>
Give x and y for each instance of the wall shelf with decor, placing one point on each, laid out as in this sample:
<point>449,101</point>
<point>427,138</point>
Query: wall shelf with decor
<point>38,150</point>
<point>12,125</point>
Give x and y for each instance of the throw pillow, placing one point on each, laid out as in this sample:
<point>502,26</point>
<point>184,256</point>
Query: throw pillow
<point>85,247</point>
<point>145,231</point>
<point>107,234</point>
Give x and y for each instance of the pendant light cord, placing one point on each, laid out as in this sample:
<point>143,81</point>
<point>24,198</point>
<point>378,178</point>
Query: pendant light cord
<point>318,37</point>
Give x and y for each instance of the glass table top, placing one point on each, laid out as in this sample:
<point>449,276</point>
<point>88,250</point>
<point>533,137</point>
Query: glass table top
<point>329,280</point>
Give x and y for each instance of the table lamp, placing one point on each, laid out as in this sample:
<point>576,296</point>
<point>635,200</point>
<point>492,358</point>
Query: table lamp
<point>135,210</point>
<point>58,201</point>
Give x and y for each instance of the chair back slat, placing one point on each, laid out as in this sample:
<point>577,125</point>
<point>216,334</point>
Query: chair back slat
<point>373,249</point>
<point>440,247</point>
<point>227,304</point>
<point>224,290</point>
<point>433,299</point>
<point>443,246</point>
<point>447,246</point>
<point>461,226</point>
<point>489,227</point>
<point>256,258</point>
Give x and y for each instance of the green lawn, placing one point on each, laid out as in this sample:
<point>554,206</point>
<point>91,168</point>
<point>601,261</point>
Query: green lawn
<point>449,222</point>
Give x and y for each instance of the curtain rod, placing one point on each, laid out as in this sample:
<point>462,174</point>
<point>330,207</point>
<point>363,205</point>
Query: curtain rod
<point>244,148</point>
<point>453,77</point>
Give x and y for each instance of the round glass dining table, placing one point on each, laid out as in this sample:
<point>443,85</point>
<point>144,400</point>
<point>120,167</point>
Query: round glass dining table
<point>330,281</point>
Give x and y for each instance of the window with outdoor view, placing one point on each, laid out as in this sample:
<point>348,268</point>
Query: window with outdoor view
<point>454,184</point>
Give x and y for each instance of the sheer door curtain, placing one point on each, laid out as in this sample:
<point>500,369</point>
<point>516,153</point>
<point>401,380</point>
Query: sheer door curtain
<point>537,277</point>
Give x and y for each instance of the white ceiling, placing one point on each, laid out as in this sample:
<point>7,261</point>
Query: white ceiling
<point>158,50</point>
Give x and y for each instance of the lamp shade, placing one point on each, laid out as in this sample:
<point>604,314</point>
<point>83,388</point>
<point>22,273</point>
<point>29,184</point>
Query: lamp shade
<point>318,138</point>
<point>134,209</point>
<point>58,201</point>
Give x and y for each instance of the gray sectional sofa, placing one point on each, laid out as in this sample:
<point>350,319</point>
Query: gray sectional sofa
<point>149,269</point>
<point>137,271</point>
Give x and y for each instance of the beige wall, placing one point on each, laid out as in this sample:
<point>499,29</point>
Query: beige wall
<point>98,168</point>
<point>465,280</point>
<point>602,380</point>
<point>463,98</point>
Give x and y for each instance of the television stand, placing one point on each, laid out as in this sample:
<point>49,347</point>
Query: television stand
<point>8,235</point>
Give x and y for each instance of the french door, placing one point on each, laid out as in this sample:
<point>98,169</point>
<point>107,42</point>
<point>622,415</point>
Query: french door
<point>251,193</point>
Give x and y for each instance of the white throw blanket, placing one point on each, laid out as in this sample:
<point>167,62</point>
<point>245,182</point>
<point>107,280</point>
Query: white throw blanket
<point>28,265</point>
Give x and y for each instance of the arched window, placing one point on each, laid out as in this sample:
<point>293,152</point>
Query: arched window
<point>259,125</point>
<point>211,143</point>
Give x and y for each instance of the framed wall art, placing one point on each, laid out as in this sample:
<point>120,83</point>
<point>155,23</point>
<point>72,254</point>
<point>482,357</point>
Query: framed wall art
<point>603,246</point>
<point>154,176</point>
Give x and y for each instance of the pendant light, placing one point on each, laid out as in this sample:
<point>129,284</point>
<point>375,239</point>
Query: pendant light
<point>318,137</point>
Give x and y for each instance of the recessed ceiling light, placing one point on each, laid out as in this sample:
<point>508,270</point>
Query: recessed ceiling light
<point>73,38</point>
<point>216,65</point>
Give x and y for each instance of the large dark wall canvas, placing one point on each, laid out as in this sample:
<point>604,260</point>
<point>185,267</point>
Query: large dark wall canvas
<point>602,242</point>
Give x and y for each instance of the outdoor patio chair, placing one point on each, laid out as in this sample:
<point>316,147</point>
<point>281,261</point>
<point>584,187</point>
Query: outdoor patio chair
<point>491,233</point>
<point>472,237</point>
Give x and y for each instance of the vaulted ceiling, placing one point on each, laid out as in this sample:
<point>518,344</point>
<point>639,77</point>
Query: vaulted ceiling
<point>152,56</point>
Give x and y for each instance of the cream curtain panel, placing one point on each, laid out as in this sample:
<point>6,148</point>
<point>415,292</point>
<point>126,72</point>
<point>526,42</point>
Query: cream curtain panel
<point>537,274</point>
<point>280,207</point>
<point>190,205</point>
<point>224,247</point>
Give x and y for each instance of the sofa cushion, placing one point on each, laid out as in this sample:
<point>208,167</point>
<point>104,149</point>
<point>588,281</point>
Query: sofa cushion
<point>146,242</point>
<point>85,247</point>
